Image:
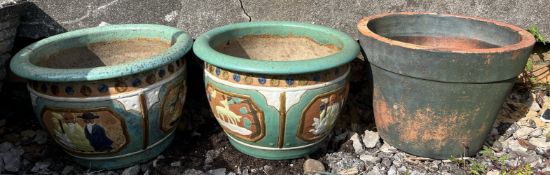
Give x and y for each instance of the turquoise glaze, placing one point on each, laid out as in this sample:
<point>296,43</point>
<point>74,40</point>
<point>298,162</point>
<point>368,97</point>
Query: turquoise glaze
<point>110,116</point>
<point>276,109</point>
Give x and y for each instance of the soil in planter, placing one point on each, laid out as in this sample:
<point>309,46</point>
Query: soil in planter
<point>105,53</point>
<point>276,48</point>
<point>459,43</point>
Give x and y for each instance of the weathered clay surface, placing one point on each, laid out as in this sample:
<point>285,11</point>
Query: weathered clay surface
<point>197,17</point>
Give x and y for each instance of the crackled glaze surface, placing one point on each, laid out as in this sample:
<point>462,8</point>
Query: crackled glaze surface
<point>276,108</point>
<point>109,116</point>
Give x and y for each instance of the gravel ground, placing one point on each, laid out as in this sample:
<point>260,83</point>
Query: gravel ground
<point>518,144</point>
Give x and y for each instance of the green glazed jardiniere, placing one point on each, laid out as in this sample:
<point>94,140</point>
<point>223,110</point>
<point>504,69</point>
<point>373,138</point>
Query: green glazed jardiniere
<point>110,96</point>
<point>440,80</point>
<point>276,88</point>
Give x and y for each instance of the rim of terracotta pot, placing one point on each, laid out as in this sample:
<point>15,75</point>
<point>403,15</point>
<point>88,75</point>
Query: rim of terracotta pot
<point>203,47</point>
<point>526,39</point>
<point>23,63</point>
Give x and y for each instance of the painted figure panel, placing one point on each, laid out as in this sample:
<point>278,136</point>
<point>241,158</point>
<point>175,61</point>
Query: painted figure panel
<point>86,131</point>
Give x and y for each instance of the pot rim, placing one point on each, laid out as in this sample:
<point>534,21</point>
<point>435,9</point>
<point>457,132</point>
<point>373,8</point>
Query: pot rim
<point>526,39</point>
<point>21,65</point>
<point>203,49</point>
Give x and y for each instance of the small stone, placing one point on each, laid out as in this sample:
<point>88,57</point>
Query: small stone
<point>219,171</point>
<point>369,158</point>
<point>497,146</point>
<point>536,133</point>
<point>41,137</point>
<point>313,166</point>
<point>387,148</point>
<point>341,161</point>
<point>193,172</point>
<point>534,107</point>
<point>514,146</point>
<point>11,157</point>
<point>494,132</point>
<point>542,146</point>
<point>374,171</point>
<point>68,169</point>
<point>392,171</point>
<point>357,145</point>
<point>386,162</point>
<point>133,170</point>
<point>41,167</point>
<point>370,139</point>
<point>523,132</point>
<point>176,164</point>
<point>28,134</point>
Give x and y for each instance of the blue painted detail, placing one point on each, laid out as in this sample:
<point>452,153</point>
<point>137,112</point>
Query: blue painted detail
<point>317,78</point>
<point>237,77</point>
<point>43,87</point>
<point>261,80</point>
<point>162,73</point>
<point>289,81</point>
<point>102,88</point>
<point>136,82</point>
<point>69,90</point>
<point>218,71</point>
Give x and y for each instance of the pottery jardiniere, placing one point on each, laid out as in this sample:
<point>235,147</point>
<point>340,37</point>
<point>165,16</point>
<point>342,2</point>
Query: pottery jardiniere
<point>110,96</point>
<point>440,80</point>
<point>276,88</point>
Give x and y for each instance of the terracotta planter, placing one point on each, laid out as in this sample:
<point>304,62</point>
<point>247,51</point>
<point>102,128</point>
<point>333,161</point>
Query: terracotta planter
<point>110,96</point>
<point>276,88</point>
<point>439,80</point>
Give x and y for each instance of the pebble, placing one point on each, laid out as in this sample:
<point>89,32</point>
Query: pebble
<point>369,158</point>
<point>41,137</point>
<point>40,167</point>
<point>534,107</point>
<point>313,166</point>
<point>392,171</point>
<point>387,148</point>
<point>536,133</point>
<point>370,139</point>
<point>176,164</point>
<point>11,156</point>
<point>374,171</point>
<point>133,170</point>
<point>28,134</point>
<point>219,171</point>
<point>514,146</point>
<point>357,145</point>
<point>67,170</point>
<point>523,132</point>
<point>341,161</point>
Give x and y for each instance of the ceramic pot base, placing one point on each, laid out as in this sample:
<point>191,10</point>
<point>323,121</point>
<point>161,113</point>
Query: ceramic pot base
<point>129,160</point>
<point>271,153</point>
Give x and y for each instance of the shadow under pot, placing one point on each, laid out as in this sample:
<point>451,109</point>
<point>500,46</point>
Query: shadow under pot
<point>110,96</point>
<point>276,88</point>
<point>440,80</point>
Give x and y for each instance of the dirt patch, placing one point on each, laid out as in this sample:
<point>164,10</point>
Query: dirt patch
<point>275,48</point>
<point>105,53</point>
<point>446,42</point>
